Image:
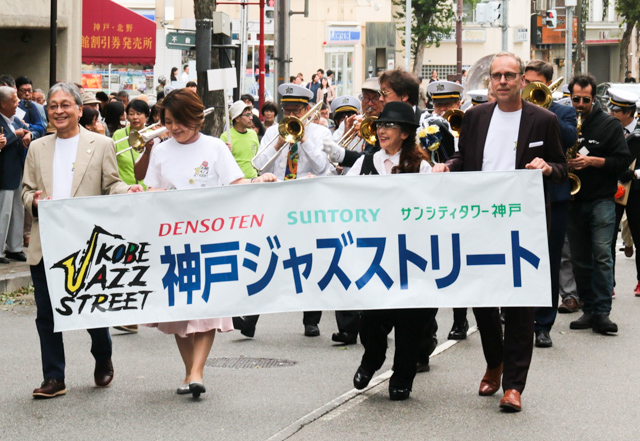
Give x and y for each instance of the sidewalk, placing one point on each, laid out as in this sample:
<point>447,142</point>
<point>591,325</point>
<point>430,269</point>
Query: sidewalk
<point>13,276</point>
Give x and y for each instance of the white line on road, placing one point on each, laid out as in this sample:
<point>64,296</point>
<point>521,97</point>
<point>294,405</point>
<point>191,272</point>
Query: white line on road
<point>348,400</point>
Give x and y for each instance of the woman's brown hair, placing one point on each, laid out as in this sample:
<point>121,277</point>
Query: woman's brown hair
<point>185,107</point>
<point>411,155</point>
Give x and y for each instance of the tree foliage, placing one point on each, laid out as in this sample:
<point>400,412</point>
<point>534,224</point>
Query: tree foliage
<point>431,21</point>
<point>629,11</point>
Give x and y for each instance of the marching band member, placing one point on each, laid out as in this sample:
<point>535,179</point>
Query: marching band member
<point>302,157</point>
<point>372,106</point>
<point>345,109</point>
<point>396,133</point>
<point>298,160</point>
<point>445,96</point>
<point>479,96</point>
<point>137,114</point>
<point>191,159</point>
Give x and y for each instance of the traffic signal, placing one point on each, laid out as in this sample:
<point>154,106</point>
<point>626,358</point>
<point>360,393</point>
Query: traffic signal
<point>269,9</point>
<point>551,19</point>
<point>488,12</point>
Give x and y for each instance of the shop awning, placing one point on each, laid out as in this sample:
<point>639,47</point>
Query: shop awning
<point>113,34</point>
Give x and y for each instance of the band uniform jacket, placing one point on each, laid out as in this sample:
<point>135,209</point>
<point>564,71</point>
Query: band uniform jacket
<point>95,173</point>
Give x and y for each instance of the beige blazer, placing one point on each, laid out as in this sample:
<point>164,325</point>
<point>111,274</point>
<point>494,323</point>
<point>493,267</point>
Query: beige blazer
<point>95,173</point>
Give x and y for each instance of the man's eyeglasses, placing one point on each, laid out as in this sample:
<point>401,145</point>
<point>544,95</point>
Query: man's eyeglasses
<point>26,90</point>
<point>509,76</point>
<point>296,112</point>
<point>384,93</point>
<point>370,98</point>
<point>63,106</point>
<point>387,125</point>
<point>584,99</point>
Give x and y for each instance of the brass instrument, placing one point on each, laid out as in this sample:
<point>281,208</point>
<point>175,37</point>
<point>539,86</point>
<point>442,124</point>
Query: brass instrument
<point>539,94</point>
<point>454,117</point>
<point>366,132</point>
<point>574,180</point>
<point>291,129</point>
<point>138,139</point>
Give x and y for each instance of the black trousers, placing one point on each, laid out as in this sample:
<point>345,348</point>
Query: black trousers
<point>348,321</point>
<point>309,318</point>
<point>410,329</point>
<point>516,350</point>
<point>633,217</point>
<point>51,345</point>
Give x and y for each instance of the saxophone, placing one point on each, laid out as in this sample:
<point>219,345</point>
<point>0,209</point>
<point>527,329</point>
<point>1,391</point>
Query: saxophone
<point>574,180</point>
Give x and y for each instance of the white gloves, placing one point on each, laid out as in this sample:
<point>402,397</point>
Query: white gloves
<point>333,149</point>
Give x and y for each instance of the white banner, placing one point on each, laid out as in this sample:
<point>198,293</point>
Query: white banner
<point>333,243</point>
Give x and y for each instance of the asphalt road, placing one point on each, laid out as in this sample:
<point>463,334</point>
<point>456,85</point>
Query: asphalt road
<point>584,388</point>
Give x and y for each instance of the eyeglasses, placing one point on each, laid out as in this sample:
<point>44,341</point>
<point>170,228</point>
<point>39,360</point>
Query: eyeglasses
<point>387,125</point>
<point>509,76</point>
<point>370,98</point>
<point>26,90</point>
<point>295,112</point>
<point>384,93</point>
<point>63,106</point>
<point>584,99</point>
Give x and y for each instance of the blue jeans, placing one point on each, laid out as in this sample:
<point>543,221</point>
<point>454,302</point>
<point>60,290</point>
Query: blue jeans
<point>590,232</point>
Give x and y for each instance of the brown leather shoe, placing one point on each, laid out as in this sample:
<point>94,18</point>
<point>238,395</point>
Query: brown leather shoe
<point>103,373</point>
<point>568,306</point>
<point>511,401</point>
<point>491,381</point>
<point>50,388</point>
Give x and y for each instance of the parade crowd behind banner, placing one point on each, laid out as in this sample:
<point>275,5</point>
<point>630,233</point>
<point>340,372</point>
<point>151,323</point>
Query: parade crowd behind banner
<point>366,242</point>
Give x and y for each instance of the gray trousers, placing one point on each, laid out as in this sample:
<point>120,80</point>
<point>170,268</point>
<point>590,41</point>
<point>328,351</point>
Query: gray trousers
<point>567,281</point>
<point>11,220</point>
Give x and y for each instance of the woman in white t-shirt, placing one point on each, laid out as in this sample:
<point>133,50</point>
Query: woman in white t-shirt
<point>192,160</point>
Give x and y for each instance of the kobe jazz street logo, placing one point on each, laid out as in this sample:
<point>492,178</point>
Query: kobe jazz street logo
<point>107,277</point>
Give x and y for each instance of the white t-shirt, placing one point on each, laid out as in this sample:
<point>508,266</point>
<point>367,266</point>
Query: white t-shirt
<point>184,77</point>
<point>207,162</point>
<point>64,162</point>
<point>502,141</point>
<point>379,159</point>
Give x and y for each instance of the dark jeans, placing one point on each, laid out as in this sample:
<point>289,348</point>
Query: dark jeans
<point>546,316</point>
<point>51,345</point>
<point>409,327</point>
<point>590,232</point>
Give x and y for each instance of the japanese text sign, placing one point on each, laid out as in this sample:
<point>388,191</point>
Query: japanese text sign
<point>365,242</point>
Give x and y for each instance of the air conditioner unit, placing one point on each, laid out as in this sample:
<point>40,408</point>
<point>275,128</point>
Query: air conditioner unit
<point>541,5</point>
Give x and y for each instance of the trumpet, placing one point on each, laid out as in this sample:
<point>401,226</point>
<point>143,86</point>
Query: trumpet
<point>454,117</point>
<point>366,132</point>
<point>138,139</point>
<point>539,94</point>
<point>291,129</point>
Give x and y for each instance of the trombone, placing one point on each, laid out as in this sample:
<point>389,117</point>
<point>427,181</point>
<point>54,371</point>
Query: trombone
<point>291,129</point>
<point>138,139</point>
<point>539,94</point>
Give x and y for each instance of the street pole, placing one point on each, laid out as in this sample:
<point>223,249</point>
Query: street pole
<point>459,41</point>
<point>568,62</point>
<point>407,36</point>
<point>53,43</point>
<point>262,56</point>
<point>243,46</point>
<point>282,43</point>
<point>505,25</point>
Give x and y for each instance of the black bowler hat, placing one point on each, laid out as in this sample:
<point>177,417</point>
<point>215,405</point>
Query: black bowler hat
<point>398,112</point>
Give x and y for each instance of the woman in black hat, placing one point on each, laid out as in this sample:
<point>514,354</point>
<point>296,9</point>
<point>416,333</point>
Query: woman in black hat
<point>400,153</point>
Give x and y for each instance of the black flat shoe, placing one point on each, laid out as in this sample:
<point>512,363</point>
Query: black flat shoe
<point>361,379</point>
<point>459,331</point>
<point>311,331</point>
<point>345,337</point>
<point>399,394</point>
<point>543,340</point>
<point>196,388</point>
<point>18,257</point>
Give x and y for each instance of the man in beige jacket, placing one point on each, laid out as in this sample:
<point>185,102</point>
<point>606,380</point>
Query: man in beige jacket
<point>72,163</point>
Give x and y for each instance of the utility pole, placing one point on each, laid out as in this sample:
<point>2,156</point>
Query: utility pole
<point>459,41</point>
<point>505,25</point>
<point>282,42</point>
<point>568,54</point>
<point>407,36</point>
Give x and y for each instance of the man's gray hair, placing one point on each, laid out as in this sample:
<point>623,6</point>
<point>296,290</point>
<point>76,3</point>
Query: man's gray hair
<point>69,89</point>
<point>512,55</point>
<point>6,92</point>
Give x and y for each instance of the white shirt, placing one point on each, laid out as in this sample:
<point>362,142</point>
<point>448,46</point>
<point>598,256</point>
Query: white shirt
<point>184,77</point>
<point>502,141</point>
<point>632,126</point>
<point>311,158</point>
<point>9,122</point>
<point>356,143</point>
<point>379,159</point>
<point>64,160</point>
<point>207,162</point>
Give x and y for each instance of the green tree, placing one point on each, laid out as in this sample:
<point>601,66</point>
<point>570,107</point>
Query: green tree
<point>431,21</point>
<point>629,11</point>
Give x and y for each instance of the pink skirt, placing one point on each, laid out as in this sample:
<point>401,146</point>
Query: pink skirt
<point>186,327</point>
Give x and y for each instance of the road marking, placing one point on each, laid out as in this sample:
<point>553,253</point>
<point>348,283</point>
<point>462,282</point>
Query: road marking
<point>350,399</point>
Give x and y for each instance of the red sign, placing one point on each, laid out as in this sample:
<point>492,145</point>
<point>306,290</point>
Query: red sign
<point>557,35</point>
<point>114,34</point>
